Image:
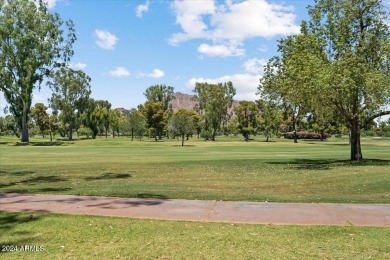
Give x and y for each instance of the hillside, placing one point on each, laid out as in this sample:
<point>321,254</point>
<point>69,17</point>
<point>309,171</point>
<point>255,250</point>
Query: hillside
<point>185,101</point>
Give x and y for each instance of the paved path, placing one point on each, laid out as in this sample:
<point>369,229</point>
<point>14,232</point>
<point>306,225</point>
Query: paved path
<point>201,210</point>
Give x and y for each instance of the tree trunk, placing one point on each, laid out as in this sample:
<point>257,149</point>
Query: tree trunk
<point>267,138</point>
<point>356,149</point>
<point>295,131</point>
<point>132,135</point>
<point>182,140</point>
<point>70,131</point>
<point>25,137</point>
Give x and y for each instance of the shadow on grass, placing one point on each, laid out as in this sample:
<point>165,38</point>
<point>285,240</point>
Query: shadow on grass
<point>56,143</point>
<point>9,220</point>
<point>109,176</point>
<point>326,164</point>
<point>17,173</point>
<point>35,180</point>
<point>22,221</point>
<point>151,196</point>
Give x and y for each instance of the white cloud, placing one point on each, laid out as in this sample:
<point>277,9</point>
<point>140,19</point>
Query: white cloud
<point>142,9</point>
<point>189,15</point>
<point>120,72</point>
<point>156,74</point>
<point>254,65</point>
<point>77,66</point>
<point>232,22</point>
<point>105,40</point>
<point>245,84</point>
<point>220,50</point>
<point>249,19</point>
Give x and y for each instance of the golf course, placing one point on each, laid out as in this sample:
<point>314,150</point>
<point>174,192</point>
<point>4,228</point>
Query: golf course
<point>228,169</point>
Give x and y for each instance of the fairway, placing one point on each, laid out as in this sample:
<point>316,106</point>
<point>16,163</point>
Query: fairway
<point>228,169</point>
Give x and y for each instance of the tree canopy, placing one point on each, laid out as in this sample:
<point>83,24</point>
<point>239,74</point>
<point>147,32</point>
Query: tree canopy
<point>338,65</point>
<point>32,44</point>
<point>71,89</point>
<point>214,101</point>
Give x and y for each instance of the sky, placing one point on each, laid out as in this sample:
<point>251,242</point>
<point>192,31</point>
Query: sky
<point>126,46</point>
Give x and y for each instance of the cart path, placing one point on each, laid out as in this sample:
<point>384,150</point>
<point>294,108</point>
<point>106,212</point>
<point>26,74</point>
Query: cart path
<point>203,210</point>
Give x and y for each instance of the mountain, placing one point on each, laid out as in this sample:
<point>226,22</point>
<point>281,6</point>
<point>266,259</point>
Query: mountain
<point>185,101</point>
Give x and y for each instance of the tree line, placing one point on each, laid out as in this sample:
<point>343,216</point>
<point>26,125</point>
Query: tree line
<point>333,74</point>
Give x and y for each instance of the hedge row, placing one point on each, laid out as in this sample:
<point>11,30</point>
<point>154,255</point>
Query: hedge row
<point>303,135</point>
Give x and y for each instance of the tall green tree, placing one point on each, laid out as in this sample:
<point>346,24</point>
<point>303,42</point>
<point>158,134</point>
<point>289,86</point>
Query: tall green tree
<point>12,125</point>
<point>162,94</point>
<point>53,125</point>
<point>105,108</point>
<point>341,61</point>
<point>41,118</point>
<point>32,43</point>
<point>93,116</point>
<point>271,118</point>
<point>181,124</point>
<point>71,89</point>
<point>214,101</point>
<point>278,88</point>
<point>136,122</point>
<point>154,115</point>
<point>114,121</point>
<point>247,114</point>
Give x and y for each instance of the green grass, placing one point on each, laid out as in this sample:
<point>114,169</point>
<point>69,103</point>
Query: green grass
<point>229,169</point>
<point>92,237</point>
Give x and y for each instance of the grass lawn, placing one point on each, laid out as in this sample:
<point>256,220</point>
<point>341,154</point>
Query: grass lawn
<point>92,237</point>
<point>229,169</point>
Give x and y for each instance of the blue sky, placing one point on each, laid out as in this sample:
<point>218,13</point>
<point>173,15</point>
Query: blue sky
<point>125,46</point>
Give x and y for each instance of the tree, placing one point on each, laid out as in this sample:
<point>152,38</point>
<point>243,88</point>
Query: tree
<point>214,100</point>
<point>247,114</point>
<point>41,117</point>
<point>10,125</point>
<point>114,121</point>
<point>71,89</point>
<point>136,123</point>
<point>341,60</point>
<point>181,124</point>
<point>196,120</point>
<point>154,115</point>
<point>163,95</point>
<point>105,115</point>
<point>93,115</point>
<point>31,45</point>
<point>53,125</point>
<point>271,118</point>
<point>278,88</point>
